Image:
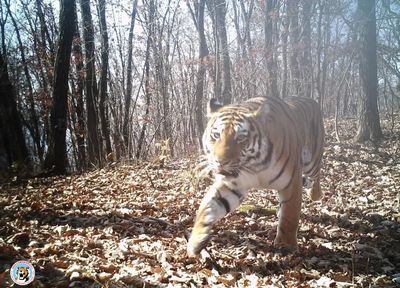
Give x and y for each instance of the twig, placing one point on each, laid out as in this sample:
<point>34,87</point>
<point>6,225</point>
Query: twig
<point>151,180</point>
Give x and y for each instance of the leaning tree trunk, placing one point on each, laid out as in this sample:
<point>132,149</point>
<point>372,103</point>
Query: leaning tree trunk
<point>368,126</point>
<point>56,159</point>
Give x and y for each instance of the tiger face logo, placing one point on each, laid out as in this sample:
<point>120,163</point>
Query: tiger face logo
<point>23,274</point>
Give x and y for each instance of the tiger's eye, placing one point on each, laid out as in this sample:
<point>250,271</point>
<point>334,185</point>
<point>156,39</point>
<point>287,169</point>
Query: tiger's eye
<point>215,135</point>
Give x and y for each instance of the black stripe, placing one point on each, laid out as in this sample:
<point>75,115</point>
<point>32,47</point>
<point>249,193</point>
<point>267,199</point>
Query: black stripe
<point>236,193</point>
<point>268,158</point>
<point>280,172</point>
<point>229,174</point>
<point>256,156</point>
<point>290,182</point>
<point>252,126</point>
<point>221,201</point>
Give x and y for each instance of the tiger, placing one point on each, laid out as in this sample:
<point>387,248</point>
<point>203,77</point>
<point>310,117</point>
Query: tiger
<point>264,142</point>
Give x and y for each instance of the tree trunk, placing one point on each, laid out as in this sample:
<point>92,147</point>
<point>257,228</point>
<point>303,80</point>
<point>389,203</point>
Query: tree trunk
<point>285,34</point>
<point>13,149</point>
<point>198,20</point>
<point>294,33</point>
<point>78,98</point>
<point>220,13</point>
<point>306,55</point>
<point>34,121</point>
<point>147,88</point>
<point>105,125</point>
<point>128,91</point>
<point>270,11</point>
<point>56,159</point>
<point>90,85</point>
<point>369,125</point>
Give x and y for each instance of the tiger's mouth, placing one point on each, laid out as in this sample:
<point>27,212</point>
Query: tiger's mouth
<point>225,170</point>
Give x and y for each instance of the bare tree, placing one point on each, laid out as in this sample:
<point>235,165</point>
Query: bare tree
<point>369,125</point>
<point>198,19</point>
<point>33,124</point>
<point>128,91</point>
<point>294,35</point>
<point>307,77</point>
<point>219,12</point>
<point>91,91</point>
<point>56,159</point>
<point>105,126</point>
<point>11,135</point>
<point>147,88</point>
<point>270,14</point>
<point>77,98</point>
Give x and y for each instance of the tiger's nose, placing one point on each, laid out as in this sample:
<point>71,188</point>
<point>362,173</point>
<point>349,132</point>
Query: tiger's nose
<point>221,164</point>
<point>220,168</point>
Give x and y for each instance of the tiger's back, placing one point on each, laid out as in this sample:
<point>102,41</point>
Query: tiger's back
<point>263,142</point>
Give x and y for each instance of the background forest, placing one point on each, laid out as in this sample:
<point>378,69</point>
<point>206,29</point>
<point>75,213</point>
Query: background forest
<point>99,87</point>
<point>86,83</point>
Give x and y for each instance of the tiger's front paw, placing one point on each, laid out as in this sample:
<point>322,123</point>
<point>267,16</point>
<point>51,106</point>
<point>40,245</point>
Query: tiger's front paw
<point>195,244</point>
<point>191,250</point>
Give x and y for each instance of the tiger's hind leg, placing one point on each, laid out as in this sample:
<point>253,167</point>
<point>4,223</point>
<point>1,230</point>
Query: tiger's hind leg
<point>289,214</point>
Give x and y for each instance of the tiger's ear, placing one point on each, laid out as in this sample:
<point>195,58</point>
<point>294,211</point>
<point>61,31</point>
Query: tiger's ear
<point>213,106</point>
<point>262,109</point>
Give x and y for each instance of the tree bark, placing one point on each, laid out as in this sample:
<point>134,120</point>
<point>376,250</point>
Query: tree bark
<point>128,91</point>
<point>368,124</point>
<point>90,85</point>
<point>198,20</point>
<point>294,34</point>
<point>78,100</point>
<point>285,34</point>
<point>56,159</point>
<point>147,88</point>
<point>306,54</point>
<point>13,149</point>
<point>270,11</point>
<point>105,125</point>
<point>220,13</point>
<point>34,121</point>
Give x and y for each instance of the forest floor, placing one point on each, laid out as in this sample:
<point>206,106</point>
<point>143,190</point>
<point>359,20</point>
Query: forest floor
<point>125,226</point>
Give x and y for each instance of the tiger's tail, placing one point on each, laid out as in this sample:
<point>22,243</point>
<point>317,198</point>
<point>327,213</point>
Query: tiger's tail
<point>313,188</point>
<point>316,192</point>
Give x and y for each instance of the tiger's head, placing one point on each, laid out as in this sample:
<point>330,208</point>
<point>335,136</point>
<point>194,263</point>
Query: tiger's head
<point>227,140</point>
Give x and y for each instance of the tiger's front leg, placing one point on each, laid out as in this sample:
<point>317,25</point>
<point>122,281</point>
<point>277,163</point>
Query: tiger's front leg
<point>219,201</point>
<point>289,215</point>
